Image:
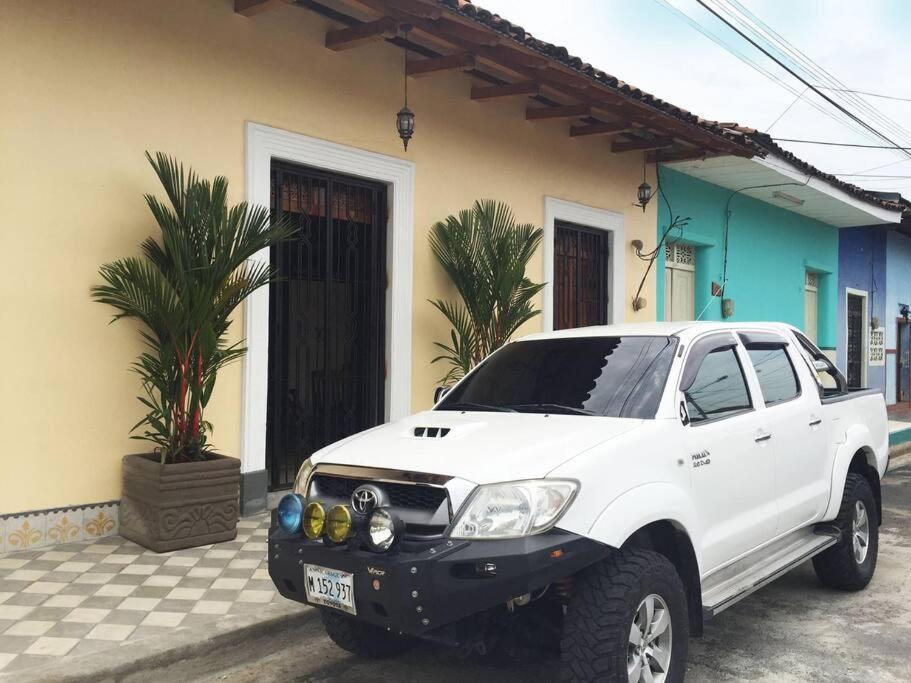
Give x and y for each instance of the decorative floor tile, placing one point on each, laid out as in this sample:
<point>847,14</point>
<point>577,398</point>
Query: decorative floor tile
<point>116,632</point>
<point>29,628</point>
<point>85,597</point>
<point>47,645</point>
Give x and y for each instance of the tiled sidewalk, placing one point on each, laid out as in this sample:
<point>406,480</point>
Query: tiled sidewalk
<point>86,597</point>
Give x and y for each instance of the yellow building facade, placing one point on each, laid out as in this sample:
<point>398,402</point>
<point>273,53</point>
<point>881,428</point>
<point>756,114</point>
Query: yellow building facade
<point>88,87</point>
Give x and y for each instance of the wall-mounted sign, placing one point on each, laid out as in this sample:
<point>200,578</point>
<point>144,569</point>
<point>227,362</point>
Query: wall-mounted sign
<point>878,346</point>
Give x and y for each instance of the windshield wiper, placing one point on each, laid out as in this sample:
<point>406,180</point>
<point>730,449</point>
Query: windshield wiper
<point>551,408</point>
<point>476,406</point>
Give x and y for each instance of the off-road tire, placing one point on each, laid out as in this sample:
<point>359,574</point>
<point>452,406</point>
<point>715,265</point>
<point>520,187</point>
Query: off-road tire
<point>836,567</point>
<point>362,639</point>
<point>605,597</point>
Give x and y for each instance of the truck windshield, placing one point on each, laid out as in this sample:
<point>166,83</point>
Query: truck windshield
<point>607,376</point>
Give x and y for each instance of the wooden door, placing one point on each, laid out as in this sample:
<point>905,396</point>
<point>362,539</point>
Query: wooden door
<point>580,276</point>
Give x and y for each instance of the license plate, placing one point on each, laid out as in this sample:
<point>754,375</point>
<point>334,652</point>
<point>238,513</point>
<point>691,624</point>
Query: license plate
<point>329,587</point>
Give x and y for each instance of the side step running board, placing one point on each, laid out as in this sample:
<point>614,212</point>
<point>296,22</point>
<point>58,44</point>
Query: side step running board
<point>731,584</point>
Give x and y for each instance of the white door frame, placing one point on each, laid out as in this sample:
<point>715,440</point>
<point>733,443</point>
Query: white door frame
<point>864,331</point>
<point>263,144</point>
<point>590,217</point>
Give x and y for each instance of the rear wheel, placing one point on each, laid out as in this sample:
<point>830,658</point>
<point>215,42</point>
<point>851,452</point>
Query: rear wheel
<point>849,565</point>
<point>362,639</point>
<point>626,621</point>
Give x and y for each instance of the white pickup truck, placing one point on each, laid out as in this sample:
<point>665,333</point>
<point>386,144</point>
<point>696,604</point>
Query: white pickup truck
<point>603,490</point>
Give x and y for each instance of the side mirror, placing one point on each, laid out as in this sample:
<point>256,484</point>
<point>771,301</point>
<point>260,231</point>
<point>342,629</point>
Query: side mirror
<point>820,366</point>
<point>439,393</point>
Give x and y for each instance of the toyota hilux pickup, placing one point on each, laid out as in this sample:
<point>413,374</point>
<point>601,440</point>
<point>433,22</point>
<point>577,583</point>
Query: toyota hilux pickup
<point>600,490</point>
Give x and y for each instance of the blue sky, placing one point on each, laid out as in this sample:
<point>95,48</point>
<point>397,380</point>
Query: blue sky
<point>649,44</point>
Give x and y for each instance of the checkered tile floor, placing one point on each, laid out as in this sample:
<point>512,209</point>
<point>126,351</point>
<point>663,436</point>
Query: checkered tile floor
<point>81,598</point>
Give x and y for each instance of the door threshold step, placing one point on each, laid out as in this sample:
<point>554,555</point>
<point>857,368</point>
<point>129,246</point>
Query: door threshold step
<point>731,584</point>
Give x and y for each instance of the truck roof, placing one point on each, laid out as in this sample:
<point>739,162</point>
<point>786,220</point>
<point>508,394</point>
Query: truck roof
<point>663,329</point>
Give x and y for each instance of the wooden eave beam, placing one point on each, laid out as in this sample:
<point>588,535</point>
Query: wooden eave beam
<point>600,129</point>
<point>657,157</point>
<point>475,36</point>
<point>563,111</point>
<point>415,8</point>
<point>248,8</point>
<point>425,67</point>
<point>643,144</point>
<point>487,92</point>
<point>346,38</point>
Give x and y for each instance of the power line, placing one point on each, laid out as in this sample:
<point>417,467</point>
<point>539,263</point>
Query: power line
<point>842,144</point>
<point>791,53</point>
<point>869,94</point>
<point>786,110</point>
<point>791,71</point>
<point>749,62</point>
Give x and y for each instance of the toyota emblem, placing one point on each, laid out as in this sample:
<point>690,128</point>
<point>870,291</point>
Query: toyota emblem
<point>364,500</point>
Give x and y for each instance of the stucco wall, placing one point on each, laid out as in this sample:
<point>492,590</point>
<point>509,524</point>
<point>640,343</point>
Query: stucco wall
<point>769,250</point>
<point>862,266</point>
<point>89,86</point>
<point>898,291</point>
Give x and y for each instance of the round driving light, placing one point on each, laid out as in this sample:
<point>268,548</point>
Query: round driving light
<point>338,524</point>
<point>290,512</point>
<point>314,521</point>
<point>381,530</point>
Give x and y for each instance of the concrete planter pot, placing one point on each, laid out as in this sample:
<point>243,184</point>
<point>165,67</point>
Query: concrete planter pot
<point>182,505</point>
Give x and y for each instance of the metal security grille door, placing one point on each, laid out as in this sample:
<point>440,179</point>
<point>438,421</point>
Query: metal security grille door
<point>903,363</point>
<point>581,259</point>
<point>855,340</point>
<point>326,316</point>
<point>679,282</point>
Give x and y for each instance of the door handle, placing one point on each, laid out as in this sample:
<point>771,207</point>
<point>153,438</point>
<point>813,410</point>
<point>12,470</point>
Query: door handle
<point>764,437</point>
<point>816,422</point>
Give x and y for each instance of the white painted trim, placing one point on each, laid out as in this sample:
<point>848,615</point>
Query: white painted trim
<point>560,209</point>
<point>263,144</point>
<point>786,168</point>
<point>865,331</point>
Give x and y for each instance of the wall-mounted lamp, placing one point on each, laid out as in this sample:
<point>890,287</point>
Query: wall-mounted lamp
<point>644,191</point>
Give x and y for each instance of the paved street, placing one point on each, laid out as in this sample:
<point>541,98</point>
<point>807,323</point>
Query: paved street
<point>793,630</point>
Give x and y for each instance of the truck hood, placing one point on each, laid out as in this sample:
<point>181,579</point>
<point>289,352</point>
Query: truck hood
<point>480,447</point>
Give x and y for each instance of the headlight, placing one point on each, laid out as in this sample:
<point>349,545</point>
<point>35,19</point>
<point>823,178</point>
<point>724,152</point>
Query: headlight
<point>382,530</point>
<point>290,511</point>
<point>303,474</point>
<point>338,524</point>
<point>314,521</point>
<point>514,509</point>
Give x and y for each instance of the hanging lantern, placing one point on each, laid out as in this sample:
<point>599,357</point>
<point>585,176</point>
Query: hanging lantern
<point>404,120</point>
<point>404,124</point>
<point>644,192</point>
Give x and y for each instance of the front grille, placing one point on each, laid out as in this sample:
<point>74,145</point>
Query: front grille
<point>424,509</point>
<point>412,496</point>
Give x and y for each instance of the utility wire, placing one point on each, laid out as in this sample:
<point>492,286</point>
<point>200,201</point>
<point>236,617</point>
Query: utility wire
<point>756,67</point>
<point>787,109</point>
<point>842,144</point>
<point>791,53</point>
<point>803,80</point>
<point>867,93</point>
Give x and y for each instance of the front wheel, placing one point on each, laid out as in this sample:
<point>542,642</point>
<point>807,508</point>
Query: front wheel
<point>626,621</point>
<point>849,564</point>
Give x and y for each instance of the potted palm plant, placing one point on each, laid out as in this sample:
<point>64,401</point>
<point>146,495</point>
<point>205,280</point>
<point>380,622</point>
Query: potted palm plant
<point>182,292</point>
<point>485,253</point>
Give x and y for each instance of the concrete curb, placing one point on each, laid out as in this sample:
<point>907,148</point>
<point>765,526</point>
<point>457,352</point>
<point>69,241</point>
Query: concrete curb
<point>118,663</point>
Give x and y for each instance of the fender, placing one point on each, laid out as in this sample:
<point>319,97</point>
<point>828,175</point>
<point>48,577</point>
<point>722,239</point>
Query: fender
<point>856,437</point>
<point>642,505</point>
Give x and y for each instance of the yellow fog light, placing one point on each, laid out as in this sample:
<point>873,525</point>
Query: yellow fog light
<point>338,524</point>
<point>314,521</point>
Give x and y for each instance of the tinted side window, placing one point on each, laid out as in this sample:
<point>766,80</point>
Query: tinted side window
<point>719,388</point>
<point>777,378</point>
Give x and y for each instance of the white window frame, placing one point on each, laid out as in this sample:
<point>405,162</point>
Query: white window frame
<point>265,143</point>
<point>590,217</point>
<point>865,332</point>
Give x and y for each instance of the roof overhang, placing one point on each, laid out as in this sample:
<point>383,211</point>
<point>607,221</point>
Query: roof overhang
<point>797,191</point>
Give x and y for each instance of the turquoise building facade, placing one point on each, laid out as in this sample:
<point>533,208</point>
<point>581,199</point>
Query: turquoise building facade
<point>778,262</point>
